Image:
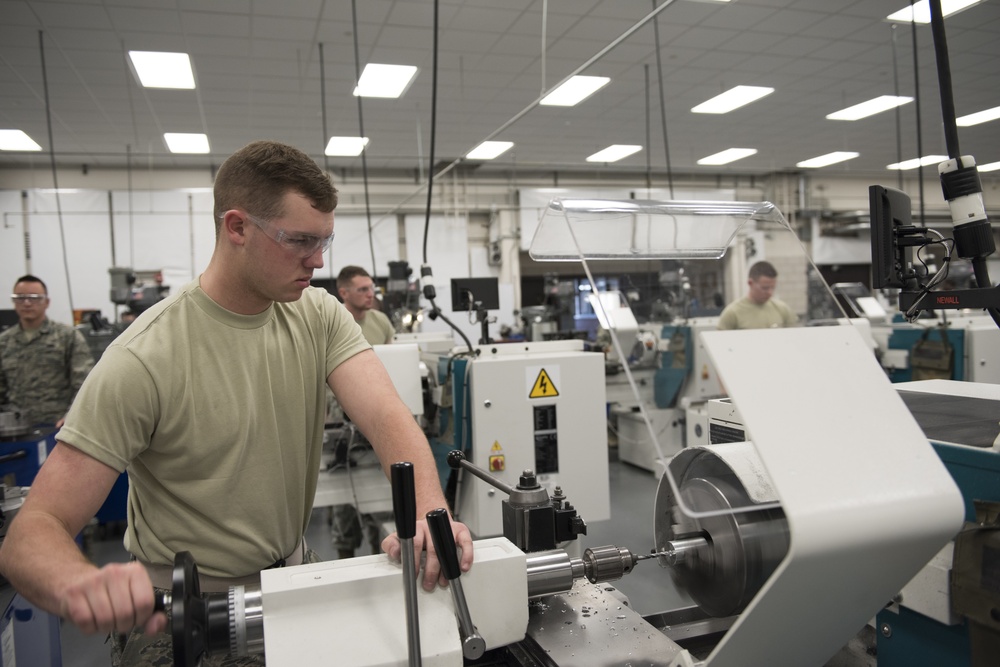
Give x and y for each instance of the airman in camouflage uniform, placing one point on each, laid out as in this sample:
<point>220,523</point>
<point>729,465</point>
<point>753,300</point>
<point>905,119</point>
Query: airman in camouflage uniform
<point>42,363</point>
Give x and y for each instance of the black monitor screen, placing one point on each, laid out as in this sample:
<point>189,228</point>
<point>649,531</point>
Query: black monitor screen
<point>466,291</point>
<point>889,208</point>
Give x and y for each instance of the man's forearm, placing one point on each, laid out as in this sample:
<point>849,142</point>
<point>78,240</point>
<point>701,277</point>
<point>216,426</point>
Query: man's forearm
<point>402,440</point>
<point>40,559</point>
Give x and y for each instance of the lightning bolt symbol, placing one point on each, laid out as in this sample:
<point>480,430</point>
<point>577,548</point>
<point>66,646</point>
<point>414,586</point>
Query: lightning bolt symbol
<point>543,385</point>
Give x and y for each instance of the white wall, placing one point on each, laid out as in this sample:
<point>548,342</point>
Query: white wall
<point>167,225</point>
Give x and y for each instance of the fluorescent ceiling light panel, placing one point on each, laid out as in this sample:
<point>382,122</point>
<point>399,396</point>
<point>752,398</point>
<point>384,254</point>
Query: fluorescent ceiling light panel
<point>920,12</point>
<point>614,153</point>
<point>489,150</point>
<point>17,140</point>
<point>346,146</point>
<point>387,81</point>
<point>870,108</point>
<point>992,166</point>
<point>158,69</point>
<point>727,156</point>
<point>917,162</point>
<point>978,117</point>
<point>179,142</point>
<point>734,98</point>
<point>574,91</point>
<point>827,160</point>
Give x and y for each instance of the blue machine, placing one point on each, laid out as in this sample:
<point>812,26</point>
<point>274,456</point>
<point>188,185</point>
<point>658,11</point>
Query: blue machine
<point>22,456</point>
<point>28,635</point>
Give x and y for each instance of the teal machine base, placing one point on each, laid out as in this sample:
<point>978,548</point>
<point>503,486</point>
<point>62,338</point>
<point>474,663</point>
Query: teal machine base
<point>908,638</point>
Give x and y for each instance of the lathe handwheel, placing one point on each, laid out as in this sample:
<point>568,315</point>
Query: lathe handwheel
<point>188,612</point>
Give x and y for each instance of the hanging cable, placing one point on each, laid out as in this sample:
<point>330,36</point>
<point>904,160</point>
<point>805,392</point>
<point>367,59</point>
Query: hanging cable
<point>322,105</point>
<point>663,105</point>
<point>916,101</point>
<point>545,35</point>
<point>131,218</point>
<point>426,275</point>
<point>52,161</point>
<point>899,112</point>
<point>649,165</point>
<point>361,129</point>
<point>430,171</point>
<point>959,176</point>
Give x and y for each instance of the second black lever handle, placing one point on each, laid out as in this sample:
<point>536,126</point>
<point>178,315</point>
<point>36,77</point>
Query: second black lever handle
<point>444,542</point>
<point>439,525</point>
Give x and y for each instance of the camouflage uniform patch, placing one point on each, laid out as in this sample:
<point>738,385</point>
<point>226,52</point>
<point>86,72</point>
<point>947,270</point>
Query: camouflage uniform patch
<point>41,373</point>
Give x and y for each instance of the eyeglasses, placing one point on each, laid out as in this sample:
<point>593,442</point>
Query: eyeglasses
<point>365,289</point>
<point>303,245</point>
<point>27,298</point>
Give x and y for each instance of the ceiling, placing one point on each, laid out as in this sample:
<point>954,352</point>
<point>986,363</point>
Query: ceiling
<point>260,75</point>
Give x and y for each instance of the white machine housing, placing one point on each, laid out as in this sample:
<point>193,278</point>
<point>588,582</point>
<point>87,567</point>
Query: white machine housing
<point>901,504</point>
<point>686,423</point>
<point>352,612</point>
<point>537,406</point>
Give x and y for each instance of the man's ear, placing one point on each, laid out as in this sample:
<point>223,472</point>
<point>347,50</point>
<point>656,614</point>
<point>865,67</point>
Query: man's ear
<point>234,227</point>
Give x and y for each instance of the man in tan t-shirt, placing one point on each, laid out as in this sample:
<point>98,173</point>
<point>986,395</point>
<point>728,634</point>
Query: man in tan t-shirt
<point>212,400</point>
<point>357,290</point>
<point>758,309</point>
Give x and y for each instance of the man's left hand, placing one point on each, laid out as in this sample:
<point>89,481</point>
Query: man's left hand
<point>422,539</point>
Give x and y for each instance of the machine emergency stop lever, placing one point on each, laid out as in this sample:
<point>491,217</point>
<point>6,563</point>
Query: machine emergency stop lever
<point>473,645</point>
<point>404,507</point>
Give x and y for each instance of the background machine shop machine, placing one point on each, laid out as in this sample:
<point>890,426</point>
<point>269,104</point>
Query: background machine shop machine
<point>673,389</point>
<point>538,406</point>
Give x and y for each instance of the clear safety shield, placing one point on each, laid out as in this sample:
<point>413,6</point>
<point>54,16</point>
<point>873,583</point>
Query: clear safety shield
<point>684,236</point>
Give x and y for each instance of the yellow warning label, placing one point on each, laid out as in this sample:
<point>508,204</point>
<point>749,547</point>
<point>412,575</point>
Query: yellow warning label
<point>496,447</point>
<point>543,387</point>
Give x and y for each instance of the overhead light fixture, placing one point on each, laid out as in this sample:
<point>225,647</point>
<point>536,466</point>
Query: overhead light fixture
<point>157,69</point>
<point>920,12</point>
<point>870,108</point>
<point>979,117</point>
<point>734,98</point>
<point>388,81</point>
<point>180,142</point>
<point>489,150</point>
<point>574,91</point>
<point>17,140</point>
<point>827,160</point>
<point>991,166</point>
<point>727,156</point>
<point>614,153</point>
<point>918,162</point>
<point>346,146</point>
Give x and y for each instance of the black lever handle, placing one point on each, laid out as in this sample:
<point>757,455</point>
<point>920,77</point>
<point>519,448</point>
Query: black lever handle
<point>473,644</point>
<point>404,507</point>
<point>404,500</point>
<point>444,542</point>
